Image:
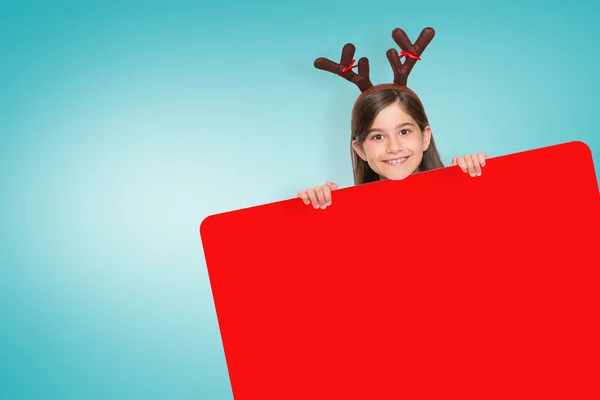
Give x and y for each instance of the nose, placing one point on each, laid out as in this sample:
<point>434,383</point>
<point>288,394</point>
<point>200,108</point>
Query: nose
<point>394,144</point>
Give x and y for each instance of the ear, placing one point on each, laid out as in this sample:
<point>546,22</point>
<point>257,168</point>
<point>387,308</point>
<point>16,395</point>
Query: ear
<point>358,149</point>
<point>426,138</point>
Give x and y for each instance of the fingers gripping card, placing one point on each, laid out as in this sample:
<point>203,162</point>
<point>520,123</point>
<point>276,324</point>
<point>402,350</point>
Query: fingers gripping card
<point>437,286</point>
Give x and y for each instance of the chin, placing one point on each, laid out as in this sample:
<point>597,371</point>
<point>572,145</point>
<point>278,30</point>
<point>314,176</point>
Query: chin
<point>396,175</point>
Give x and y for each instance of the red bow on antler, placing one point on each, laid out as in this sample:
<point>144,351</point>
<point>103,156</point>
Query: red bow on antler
<point>411,54</point>
<point>349,67</point>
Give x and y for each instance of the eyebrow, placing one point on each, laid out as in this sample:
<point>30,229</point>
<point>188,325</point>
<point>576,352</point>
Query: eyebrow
<point>397,127</point>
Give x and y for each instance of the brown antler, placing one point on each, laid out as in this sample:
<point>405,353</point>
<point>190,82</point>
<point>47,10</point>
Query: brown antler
<point>344,68</point>
<point>410,50</point>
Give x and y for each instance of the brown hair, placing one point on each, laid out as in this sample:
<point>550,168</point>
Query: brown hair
<point>363,115</point>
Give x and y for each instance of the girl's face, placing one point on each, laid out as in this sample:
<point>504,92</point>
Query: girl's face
<point>394,145</point>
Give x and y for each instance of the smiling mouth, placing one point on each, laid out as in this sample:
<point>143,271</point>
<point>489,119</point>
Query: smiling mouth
<point>396,161</point>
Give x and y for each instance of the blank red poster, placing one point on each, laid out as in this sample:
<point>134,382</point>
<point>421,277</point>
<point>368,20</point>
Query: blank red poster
<point>437,286</point>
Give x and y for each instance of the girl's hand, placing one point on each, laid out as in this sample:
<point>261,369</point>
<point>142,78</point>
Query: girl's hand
<point>471,163</point>
<point>319,196</point>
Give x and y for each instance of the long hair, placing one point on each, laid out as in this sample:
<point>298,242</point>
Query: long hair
<point>364,114</point>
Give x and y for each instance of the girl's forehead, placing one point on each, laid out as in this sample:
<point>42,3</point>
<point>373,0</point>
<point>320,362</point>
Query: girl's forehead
<point>393,114</point>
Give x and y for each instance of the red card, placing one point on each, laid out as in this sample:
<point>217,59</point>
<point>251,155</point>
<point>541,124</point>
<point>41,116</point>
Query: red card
<point>436,286</point>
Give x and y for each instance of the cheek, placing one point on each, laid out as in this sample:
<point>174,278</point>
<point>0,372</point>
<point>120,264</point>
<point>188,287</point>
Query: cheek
<point>418,145</point>
<point>370,148</point>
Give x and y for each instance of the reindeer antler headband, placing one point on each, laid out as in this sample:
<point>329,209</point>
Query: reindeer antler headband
<point>410,50</point>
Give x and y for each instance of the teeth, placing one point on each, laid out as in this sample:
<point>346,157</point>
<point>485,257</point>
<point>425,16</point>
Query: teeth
<point>397,161</point>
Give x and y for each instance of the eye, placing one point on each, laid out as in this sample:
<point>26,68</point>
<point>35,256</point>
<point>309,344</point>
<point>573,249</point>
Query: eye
<point>377,137</point>
<point>405,131</point>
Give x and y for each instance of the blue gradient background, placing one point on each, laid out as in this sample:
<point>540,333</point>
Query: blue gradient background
<point>124,124</point>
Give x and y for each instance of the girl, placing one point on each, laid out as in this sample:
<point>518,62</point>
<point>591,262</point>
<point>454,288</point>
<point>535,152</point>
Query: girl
<point>390,134</point>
